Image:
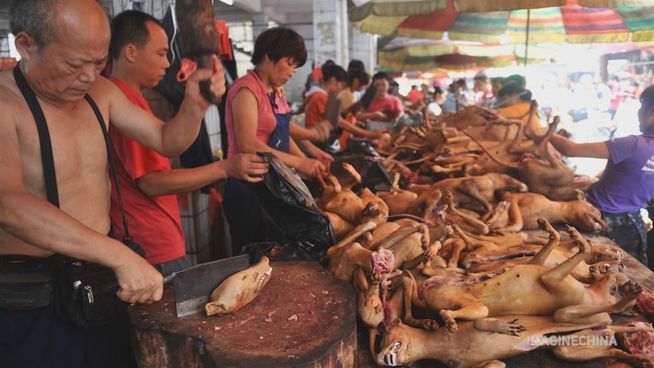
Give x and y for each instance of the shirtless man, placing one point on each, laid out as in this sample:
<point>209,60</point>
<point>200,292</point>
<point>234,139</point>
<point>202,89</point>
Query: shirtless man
<point>64,47</point>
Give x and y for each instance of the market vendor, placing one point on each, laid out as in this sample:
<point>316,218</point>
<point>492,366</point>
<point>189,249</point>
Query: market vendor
<point>63,47</point>
<point>384,107</point>
<point>627,184</point>
<point>139,51</point>
<point>332,82</point>
<point>357,80</point>
<point>253,126</point>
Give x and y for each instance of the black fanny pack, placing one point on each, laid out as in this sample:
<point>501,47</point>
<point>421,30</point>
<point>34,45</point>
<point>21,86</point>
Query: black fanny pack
<point>25,282</point>
<point>81,292</point>
<point>85,293</point>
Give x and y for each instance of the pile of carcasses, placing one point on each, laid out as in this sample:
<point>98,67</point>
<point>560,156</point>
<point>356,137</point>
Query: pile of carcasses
<point>445,266</point>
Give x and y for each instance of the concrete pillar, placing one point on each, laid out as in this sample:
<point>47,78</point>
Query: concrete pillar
<point>363,46</point>
<point>260,23</point>
<point>330,31</point>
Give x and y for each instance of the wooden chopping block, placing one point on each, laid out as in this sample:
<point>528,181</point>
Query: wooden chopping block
<point>302,318</point>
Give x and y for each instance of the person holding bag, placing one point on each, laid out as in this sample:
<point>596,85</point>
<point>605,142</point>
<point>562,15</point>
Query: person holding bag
<point>253,126</point>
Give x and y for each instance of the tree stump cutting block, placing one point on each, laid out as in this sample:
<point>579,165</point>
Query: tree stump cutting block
<point>302,318</point>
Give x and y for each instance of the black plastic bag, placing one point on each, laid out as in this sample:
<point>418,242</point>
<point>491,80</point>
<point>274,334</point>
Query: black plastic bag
<point>291,215</point>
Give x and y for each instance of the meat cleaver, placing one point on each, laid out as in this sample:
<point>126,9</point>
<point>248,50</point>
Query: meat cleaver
<point>193,285</point>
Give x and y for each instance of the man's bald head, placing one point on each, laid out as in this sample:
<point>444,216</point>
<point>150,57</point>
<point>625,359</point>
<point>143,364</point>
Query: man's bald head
<point>62,57</point>
<point>39,18</point>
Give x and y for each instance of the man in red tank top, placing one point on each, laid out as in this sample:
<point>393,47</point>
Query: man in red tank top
<point>148,185</point>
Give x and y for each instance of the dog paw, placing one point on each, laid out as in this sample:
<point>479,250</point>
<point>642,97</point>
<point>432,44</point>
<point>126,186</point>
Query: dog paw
<point>630,290</point>
<point>449,320</point>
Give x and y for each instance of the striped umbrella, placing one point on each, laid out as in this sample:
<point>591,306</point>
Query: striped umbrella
<point>568,23</point>
<point>420,54</point>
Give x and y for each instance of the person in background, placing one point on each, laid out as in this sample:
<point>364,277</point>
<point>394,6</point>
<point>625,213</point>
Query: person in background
<point>514,102</point>
<point>252,126</point>
<point>449,105</point>
<point>356,65</point>
<point>496,84</point>
<point>511,94</point>
<point>616,95</point>
<point>394,89</point>
<point>627,184</point>
<point>139,49</point>
<point>414,95</point>
<point>333,82</point>
<point>438,99</point>
<point>483,91</point>
<point>426,93</point>
<point>384,107</point>
<point>357,81</point>
<point>314,77</point>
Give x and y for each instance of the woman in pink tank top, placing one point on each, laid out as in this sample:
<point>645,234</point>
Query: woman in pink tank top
<point>253,126</point>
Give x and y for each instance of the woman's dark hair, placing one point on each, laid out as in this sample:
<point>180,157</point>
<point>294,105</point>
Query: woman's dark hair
<point>334,71</point>
<point>278,43</point>
<point>514,89</point>
<point>497,80</point>
<point>381,75</point>
<point>356,65</point>
<point>130,27</point>
<point>647,98</point>
<point>517,79</point>
<point>357,74</point>
<point>326,65</point>
<point>438,91</point>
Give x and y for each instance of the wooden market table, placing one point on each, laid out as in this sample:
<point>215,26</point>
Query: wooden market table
<point>302,318</point>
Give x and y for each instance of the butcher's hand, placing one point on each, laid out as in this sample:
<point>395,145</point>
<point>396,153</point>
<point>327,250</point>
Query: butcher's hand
<point>378,115</point>
<point>312,168</point>
<point>246,166</point>
<point>138,281</point>
<point>325,158</point>
<point>216,78</point>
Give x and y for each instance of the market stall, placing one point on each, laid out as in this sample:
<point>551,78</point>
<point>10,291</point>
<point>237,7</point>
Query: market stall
<point>457,236</point>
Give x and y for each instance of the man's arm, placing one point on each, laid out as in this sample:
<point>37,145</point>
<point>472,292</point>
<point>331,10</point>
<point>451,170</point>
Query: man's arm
<point>39,223</point>
<point>300,133</point>
<point>314,151</point>
<point>572,149</point>
<point>377,115</point>
<point>245,115</point>
<point>171,138</point>
<point>248,167</point>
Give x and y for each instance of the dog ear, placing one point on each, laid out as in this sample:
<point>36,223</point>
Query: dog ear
<point>581,195</point>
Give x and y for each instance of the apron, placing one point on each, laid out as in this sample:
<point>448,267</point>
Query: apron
<point>280,137</point>
<point>242,208</point>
